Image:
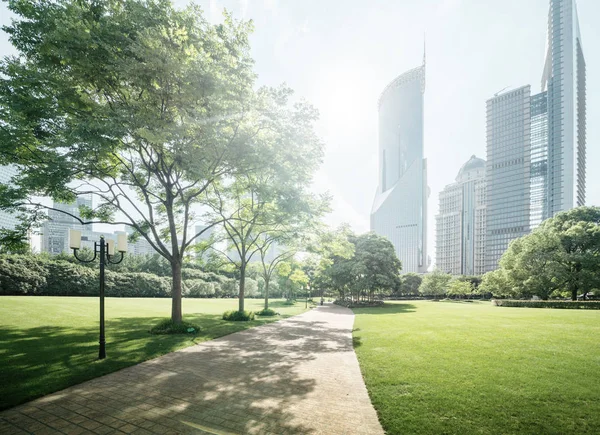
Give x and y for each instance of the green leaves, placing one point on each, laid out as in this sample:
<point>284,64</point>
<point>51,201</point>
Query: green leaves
<point>562,255</point>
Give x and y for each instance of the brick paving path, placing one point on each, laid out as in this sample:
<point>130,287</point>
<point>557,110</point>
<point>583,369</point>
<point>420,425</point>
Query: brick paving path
<point>295,376</point>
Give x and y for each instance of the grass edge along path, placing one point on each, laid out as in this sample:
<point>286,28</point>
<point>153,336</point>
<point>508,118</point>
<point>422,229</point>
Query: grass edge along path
<point>50,343</point>
<point>461,368</point>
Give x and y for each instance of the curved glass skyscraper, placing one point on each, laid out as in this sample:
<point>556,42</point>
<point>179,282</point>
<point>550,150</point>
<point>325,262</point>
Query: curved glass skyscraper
<point>400,207</point>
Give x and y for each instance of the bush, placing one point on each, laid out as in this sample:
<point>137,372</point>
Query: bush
<point>229,288</point>
<point>68,279</point>
<point>267,312</point>
<point>22,275</point>
<point>196,288</point>
<point>573,305</point>
<point>168,327</point>
<point>137,285</point>
<point>238,316</point>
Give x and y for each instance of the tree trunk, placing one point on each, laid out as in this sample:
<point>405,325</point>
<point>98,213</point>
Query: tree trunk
<point>266,294</point>
<point>176,292</point>
<point>242,286</point>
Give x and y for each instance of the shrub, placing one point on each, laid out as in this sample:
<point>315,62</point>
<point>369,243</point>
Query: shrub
<point>196,288</point>
<point>229,288</point>
<point>573,305</point>
<point>267,312</point>
<point>140,285</point>
<point>168,327</point>
<point>238,316</point>
<point>250,288</point>
<point>68,279</point>
<point>22,275</point>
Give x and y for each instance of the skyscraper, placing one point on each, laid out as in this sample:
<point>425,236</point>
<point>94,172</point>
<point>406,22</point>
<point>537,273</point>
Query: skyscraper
<point>55,230</point>
<point>508,171</point>
<point>564,78</point>
<point>536,145</point>
<point>460,224</point>
<point>400,207</point>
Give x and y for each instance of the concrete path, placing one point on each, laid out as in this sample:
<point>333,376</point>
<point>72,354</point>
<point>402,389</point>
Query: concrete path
<point>295,376</point>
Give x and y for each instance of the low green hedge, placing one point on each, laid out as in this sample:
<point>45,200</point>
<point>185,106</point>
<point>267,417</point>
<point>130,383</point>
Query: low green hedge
<point>33,275</point>
<point>571,305</point>
<point>267,312</point>
<point>238,316</point>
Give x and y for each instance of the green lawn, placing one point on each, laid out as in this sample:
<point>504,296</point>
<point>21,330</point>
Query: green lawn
<point>462,368</point>
<point>50,343</point>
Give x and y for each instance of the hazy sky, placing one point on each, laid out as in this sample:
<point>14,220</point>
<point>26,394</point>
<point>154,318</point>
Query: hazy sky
<point>340,54</point>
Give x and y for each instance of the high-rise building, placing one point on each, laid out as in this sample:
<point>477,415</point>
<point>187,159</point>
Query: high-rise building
<point>508,171</point>
<point>7,220</point>
<point>61,218</point>
<point>460,224</point>
<point>536,162</point>
<point>400,207</point>
<point>564,78</point>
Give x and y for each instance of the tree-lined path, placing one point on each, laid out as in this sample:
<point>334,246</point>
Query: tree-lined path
<point>298,375</point>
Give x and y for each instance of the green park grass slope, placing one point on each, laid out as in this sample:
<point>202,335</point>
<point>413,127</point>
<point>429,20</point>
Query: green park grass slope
<point>472,368</point>
<point>50,343</point>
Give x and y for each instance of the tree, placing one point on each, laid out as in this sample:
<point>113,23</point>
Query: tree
<point>270,200</point>
<point>562,254</point>
<point>497,284</point>
<point>375,264</point>
<point>435,283</point>
<point>137,103</point>
<point>458,287</point>
<point>410,283</point>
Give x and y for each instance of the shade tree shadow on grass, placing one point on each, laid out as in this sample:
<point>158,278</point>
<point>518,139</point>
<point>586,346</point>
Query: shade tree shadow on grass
<point>41,360</point>
<point>246,383</point>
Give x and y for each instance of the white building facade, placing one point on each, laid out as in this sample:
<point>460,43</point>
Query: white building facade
<point>460,224</point>
<point>399,210</point>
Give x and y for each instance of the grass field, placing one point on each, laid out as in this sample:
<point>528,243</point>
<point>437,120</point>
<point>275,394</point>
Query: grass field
<point>462,368</point>
<point>50,343</point>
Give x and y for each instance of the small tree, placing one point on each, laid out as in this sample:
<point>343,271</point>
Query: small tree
<point>410,283</point>
<point>435,283</point>
<point>460,288</point>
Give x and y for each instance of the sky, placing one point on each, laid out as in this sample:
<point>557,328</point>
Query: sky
<point>340,55</point>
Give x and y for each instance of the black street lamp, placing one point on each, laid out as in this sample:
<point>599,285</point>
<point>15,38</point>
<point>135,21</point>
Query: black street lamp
<point>106,251</point>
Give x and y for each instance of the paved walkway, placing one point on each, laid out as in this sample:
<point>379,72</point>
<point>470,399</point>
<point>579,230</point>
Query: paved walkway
<point>296,376</point>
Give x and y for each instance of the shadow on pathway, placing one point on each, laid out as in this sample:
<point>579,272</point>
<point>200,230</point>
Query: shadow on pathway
<point>296,376</point>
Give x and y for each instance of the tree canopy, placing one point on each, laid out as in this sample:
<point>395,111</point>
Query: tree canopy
<point>562,255</point>
<point>148,108</point>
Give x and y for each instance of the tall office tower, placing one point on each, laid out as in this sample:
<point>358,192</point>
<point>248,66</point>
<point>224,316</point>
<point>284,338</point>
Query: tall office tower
<point>564,79</point>
<point>55,231</point>
<point>538,204</point>
<point>400,207</point>
<point>7,220</point>
<point>460,224</point>
<point>508,171</point>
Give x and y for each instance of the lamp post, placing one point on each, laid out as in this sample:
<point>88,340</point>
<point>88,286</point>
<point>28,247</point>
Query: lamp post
<point>106,250</point>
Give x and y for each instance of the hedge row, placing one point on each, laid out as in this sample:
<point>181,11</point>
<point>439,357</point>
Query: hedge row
<point>28,275</point>
<point>42,276</point>
<point>572,305</point>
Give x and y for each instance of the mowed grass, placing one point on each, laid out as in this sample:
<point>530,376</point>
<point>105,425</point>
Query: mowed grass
<point>50,343</point>
<point>471,368</point>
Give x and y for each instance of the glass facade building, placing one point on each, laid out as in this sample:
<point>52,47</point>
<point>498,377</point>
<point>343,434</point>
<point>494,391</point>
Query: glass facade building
<point>508,171</point>
<point>564,79</point>
<point>460,224</point>
<point>536,162</point>
<point>400,207</point>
